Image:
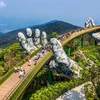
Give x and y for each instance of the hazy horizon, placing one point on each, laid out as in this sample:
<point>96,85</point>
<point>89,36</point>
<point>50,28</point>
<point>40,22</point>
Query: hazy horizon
<point>19,23</point>
<point>41,11</point>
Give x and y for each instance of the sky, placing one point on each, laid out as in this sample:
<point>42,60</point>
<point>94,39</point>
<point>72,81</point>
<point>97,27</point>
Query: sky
<point>41,11</point>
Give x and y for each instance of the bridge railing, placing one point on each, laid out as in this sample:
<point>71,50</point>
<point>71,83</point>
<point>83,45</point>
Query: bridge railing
<point>76,34</point>
<point>7,97</point>
<point>76,31</point>
<point>20,86</point>
<point>13,89</point>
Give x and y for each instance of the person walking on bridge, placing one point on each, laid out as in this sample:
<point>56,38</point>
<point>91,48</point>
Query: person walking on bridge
<point>21,74</point>
<point>29,60</point>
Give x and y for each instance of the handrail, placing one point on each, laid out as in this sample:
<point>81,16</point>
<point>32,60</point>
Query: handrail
<point>7,97</point>
<point>76,34</point>
<point>17,84</point>
<point>34,72</point>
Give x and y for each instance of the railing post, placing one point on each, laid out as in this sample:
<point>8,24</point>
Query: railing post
<point>95,42</point>
<point>50,77</point>
<point>68,51</point>
<point>82,42</point>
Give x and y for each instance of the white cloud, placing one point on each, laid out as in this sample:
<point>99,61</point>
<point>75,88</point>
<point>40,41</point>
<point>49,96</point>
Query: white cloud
<point>2,4</point>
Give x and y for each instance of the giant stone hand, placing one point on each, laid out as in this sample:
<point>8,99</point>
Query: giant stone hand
<point>30,40</point>
<point>23,42</point>
<point>44,38</point>
<point>62,58</point>
<point>37,38</point>
<point>90,23</point>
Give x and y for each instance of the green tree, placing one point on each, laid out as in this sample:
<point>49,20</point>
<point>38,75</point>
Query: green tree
<point>1,70</point>
<point>54,35</point>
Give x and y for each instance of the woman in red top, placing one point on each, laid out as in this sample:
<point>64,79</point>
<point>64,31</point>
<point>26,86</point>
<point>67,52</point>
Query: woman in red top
<point>28,57</point>
<point>29,60</point>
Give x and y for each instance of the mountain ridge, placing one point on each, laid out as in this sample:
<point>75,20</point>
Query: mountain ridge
<point>53,26</point>
<point>1,33</point>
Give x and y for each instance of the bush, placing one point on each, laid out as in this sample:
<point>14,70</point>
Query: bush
<point>90,92</point>
<point>54,91</point>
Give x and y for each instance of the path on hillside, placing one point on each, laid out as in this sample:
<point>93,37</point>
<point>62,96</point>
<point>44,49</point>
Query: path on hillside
<point>77,93</point>
<point>10,83</point>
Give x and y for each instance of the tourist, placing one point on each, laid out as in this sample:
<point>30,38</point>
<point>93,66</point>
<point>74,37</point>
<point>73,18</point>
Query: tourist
<point>35,58</point>
<point>21,68</point>
<point>21,74</point>
<point>15,69</point>
<point>18,68</point>
<point>42,52</point>
<point>35,62</point>
<point>24,71</point>
<point>38,55</point>
<point>29,60</point>
<point>49,48</point>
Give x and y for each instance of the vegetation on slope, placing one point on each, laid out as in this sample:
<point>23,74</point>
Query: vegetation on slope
<point>92,74</point>
<point>91,52</point>
<point>90,92</point>
<point>10,57</point>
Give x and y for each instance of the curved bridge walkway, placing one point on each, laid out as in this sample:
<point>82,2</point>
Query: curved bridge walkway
<point>12,84</point>
<point>13,81</point>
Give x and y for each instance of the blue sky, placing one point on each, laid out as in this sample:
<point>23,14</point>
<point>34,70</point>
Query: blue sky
<point>41,11</point>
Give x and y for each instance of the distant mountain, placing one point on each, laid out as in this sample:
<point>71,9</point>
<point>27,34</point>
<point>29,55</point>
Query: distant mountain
<point>1,33</point>
<point>53,26</point>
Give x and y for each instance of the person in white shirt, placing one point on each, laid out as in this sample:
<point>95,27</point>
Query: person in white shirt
<point>21,74</point>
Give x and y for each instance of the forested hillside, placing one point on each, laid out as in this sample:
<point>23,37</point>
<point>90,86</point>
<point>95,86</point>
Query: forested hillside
<point>54,26</point>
